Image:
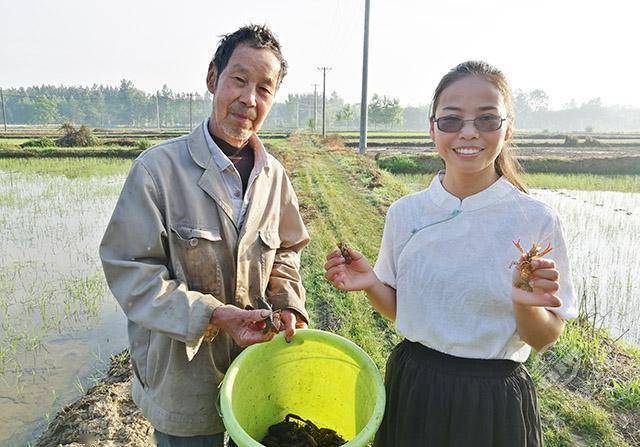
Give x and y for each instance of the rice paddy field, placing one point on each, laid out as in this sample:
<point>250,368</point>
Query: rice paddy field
<point>59,324</point>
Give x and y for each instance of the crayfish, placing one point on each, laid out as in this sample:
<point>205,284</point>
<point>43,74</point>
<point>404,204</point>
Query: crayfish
<point>344,252</point>
<point>523,265</point>
<point>297,432</point>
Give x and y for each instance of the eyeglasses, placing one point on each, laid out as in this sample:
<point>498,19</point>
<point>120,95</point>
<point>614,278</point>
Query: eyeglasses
<point>484,123</point>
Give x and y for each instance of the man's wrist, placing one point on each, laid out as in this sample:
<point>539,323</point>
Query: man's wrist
<point>217,316</point>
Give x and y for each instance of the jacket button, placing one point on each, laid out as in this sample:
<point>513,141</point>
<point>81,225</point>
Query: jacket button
<point>193,242</point>
<point>237,193</point>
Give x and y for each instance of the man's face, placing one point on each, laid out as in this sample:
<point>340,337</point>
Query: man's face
<point>243,94</point>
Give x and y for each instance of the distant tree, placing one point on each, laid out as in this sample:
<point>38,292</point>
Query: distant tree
<point>45,111</point>
<point>345,114</point>
<point>385,110</point>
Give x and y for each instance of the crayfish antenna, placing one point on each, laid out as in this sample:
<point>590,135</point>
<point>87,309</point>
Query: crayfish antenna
<point>519,247</point>
<point>545,251</point>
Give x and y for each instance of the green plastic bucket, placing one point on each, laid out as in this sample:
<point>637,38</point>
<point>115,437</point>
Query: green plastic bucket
<point>319,376</point>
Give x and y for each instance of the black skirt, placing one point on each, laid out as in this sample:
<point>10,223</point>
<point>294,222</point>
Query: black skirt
<point>434,399</point>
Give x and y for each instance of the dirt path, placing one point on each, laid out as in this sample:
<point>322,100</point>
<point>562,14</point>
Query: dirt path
<point>104,416</point>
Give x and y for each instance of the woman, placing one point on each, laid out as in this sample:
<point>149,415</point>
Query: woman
<point>442,274</point>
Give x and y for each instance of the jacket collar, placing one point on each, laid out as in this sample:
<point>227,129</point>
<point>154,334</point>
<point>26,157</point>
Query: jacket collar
<point>223,162</point>
<point>212,182</point>
<point>198,146</point>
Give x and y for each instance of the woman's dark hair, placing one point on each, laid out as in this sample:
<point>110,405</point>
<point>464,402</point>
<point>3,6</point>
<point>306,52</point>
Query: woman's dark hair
<point>506,164</point>
<point>255,36</point>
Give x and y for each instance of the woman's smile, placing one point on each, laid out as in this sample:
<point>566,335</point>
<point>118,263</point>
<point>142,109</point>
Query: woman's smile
<point>468,151</point>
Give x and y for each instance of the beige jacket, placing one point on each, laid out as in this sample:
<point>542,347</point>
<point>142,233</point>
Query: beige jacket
<point>172,254</point>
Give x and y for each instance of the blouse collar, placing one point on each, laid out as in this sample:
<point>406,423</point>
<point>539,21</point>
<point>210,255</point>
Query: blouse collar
<point>444,199</point>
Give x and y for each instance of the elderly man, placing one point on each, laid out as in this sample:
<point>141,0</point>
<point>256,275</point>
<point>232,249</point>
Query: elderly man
<point>206,226</point>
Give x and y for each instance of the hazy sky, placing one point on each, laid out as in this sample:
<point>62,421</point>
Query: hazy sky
<point>572,49</point>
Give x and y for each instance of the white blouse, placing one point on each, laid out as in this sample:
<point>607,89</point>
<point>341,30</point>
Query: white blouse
<point>448,260</point>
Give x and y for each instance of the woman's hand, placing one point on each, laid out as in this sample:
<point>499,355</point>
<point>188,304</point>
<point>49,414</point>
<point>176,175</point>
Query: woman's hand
<point>544,282</point>
<point>357,275</point>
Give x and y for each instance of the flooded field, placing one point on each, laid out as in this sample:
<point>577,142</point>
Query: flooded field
<point>602,229</point>
<point>58,322</point>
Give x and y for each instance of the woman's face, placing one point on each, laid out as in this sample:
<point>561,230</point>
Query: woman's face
<point>470,151</point>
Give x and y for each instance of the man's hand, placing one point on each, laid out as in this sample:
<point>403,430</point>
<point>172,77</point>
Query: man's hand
<point>290,320</point>
<point>244,326</point>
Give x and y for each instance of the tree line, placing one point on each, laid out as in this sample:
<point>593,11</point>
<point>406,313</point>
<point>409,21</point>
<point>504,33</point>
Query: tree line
<point>127,106</point>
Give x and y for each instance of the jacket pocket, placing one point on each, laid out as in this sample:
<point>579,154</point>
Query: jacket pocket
<point>195,258</point>
<point>269,245</point>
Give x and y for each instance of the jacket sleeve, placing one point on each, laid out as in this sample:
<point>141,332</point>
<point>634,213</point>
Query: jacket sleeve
<point>135,260</point>
<point>285,289</point>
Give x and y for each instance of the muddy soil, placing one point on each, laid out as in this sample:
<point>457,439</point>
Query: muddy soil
<point>104,416</point>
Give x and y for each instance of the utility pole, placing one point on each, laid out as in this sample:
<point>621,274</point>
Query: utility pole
<point>324,98</point>
<point>297,112</point>
<point>315,106</point>
<point>190,112</point>
<point>4,113</point>
<point>365,71</point>
<point>158,108</point>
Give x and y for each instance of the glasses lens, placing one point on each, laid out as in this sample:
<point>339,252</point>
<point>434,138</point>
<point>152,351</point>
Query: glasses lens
<point>488,123</point>
<point>450,124</point>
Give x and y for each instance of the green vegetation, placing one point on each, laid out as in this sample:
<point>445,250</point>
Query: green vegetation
<point>40,142</point>
<point>341,199</point>
<point>80,137</point>
<point>625,394</point>
<point>144,144</point>
<point>615,174</point>
<point>68,167</point>
<point>585,182</point>
<point>569,419</point>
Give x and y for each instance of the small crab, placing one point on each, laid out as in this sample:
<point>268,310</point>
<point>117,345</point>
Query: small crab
<point>523,265</point>
<point>344,252</point>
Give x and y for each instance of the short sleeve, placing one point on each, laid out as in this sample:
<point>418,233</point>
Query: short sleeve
<point>566,293</point>
<point>385,268</point>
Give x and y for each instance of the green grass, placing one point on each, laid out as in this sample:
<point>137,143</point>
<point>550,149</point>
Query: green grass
<point>572,420</point>
<point>585,182</point>
<point>339,203</point>
<point>417,171</point>
<point>625,394</point>
<point>68,167</point>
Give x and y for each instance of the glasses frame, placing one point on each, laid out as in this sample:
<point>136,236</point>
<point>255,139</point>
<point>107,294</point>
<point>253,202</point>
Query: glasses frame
<point>474,121</point>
